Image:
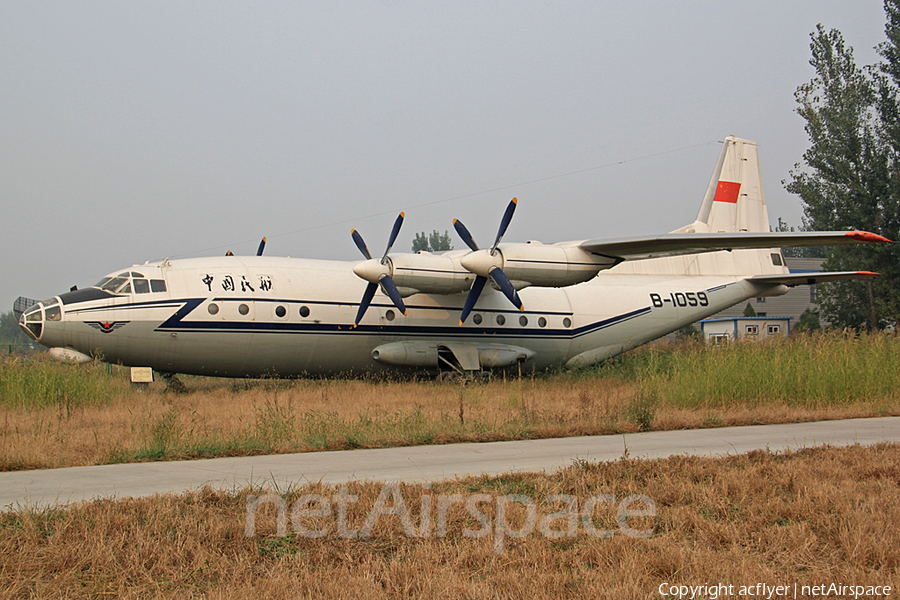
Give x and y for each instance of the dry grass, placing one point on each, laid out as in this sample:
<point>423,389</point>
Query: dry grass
<point>817,516</point>
<point>244,418</point>
<point>54,415</point>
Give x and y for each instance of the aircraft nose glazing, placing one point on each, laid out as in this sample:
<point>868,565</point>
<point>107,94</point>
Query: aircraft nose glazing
<point>35,319</point>
<point>32,322</point>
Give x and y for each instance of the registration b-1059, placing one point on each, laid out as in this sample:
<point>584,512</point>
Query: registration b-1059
<point>680,299</point>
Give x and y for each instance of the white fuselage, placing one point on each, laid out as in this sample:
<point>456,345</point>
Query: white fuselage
<point>256,316</point>
<point>582,301</point>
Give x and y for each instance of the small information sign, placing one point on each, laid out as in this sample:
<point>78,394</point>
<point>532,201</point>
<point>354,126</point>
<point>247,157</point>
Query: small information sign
<point>141,375</point>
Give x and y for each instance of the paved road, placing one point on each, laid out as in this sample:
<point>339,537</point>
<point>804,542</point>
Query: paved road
<point>422,463</point>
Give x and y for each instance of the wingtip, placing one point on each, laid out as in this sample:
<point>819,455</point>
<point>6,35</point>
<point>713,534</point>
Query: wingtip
<point>865,236</point>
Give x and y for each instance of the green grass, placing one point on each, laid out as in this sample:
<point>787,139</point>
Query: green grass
<point>38,382</point>
<point>822,369</point>
<point>818,369</point>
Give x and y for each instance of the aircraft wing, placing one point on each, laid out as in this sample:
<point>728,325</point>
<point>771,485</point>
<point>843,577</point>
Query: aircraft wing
<point>810,278</point>
<point>675,244</point>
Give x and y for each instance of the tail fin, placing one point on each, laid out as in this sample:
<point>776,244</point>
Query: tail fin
<point>733,203</point>
<point>734,200</point>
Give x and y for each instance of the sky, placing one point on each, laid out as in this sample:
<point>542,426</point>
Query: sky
<point>136,131</point>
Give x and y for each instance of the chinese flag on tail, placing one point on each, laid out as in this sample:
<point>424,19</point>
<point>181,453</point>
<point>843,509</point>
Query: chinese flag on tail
<point>727,191</point>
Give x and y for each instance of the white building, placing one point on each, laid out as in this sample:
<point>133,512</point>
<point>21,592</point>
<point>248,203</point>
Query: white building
<point>745,328</point>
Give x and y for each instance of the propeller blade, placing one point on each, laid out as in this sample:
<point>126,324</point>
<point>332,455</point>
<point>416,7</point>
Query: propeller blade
<point>465,235</point>
<point>262,246</point>
<point>504,222</point>
<point>365,302</point>
<point>360,243</point>
<point>394,232</point>
<point>229,253</point>
<point>365,271</point>
<point>472,298</point>
<point>506,287</point>
<point>394,293</point>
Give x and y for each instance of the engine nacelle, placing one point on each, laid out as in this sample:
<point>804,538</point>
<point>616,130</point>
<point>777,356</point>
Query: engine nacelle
<point>431,273</point>
<point>524,264</point>
<point>551,265</point>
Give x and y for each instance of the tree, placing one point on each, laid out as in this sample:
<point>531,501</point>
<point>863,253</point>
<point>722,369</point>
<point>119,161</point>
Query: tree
<point>887,90</point>
<point>849,173</point>
<point>798,251</point>
<point>433,242</point>
<point>808,322</point>
<point>749,311</point>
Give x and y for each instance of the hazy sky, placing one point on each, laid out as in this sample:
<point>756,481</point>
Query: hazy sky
<point>133,131</point>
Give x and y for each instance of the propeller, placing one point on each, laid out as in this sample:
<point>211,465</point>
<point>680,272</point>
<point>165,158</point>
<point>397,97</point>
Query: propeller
<point>486,264</point>
<point>377,272</point>
<point>259,251</point>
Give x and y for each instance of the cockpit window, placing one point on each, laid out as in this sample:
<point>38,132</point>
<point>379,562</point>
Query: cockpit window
<point>114,283</point>
<point>124,283</point>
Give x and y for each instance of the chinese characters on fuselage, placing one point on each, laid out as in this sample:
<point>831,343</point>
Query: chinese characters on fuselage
<point>226,283</point>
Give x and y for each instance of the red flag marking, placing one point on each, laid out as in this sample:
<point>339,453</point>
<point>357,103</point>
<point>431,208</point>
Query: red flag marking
<point>727,191</point>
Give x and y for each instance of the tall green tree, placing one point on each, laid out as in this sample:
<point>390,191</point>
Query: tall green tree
<point>798,251</point>
<point>845,180</point>
<point>887,80</point>
<point>433,242</point>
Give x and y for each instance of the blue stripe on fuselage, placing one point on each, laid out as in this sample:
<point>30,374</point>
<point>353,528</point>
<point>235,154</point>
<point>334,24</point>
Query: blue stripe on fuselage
<point>177,322</point>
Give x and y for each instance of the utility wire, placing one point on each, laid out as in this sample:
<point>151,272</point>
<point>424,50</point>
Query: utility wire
<point>357,218</point>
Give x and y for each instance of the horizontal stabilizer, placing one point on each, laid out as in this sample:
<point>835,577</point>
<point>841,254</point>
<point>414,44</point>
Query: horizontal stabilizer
<point>810,278</point>
<point>677,244</point>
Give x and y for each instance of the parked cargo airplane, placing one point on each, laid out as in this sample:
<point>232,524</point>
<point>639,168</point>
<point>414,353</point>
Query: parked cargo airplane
<point>569,303</point>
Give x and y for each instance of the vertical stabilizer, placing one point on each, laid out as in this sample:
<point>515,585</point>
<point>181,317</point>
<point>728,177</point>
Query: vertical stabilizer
<point>734,200</point>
